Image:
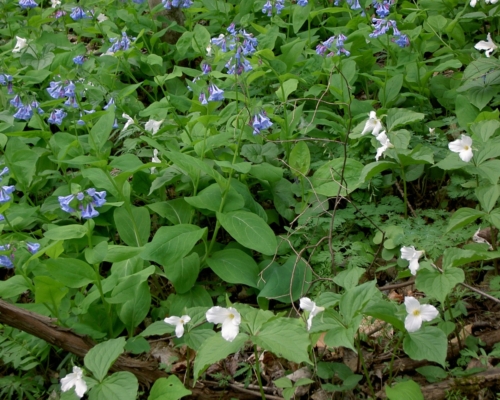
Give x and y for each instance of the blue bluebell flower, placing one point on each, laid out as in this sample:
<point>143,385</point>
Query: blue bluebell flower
<point>220,42</point>
<point>203,98</point>
<point>3,172</point>
<point>111,102</point>
<point>232,29</point>
<point>239,64</point>
<point>64,202</point>
<point>115,124</point>
<point>59,13</point>
<point>354,4</point>
<point>337,42</point>
<point>33,247</point>
<point>279,5</point>
<point>215,94</point>
<point>2,218</point>
<point>259,122</point>
<point>77,13</point>
<point>122,44</point>
<point>268,8</point>
<point>206,68</point>
<point>79,60</point>
<point>98,198</point>
<point>381,26</point>
<point>56,89</point>
<point>27,4</point>
<point>24,112</point>
<point>4,193</point>
<point>168,4</point>
<point>88,211</point>
<point>16,101</point>
<point>36,106</point>
<point>138,1</point>
<point>5,261</point>
<point>402,40</point>
<point>57,116</point>
<point>5,79</point>
<point>382,9</point>
<point>302,3</point>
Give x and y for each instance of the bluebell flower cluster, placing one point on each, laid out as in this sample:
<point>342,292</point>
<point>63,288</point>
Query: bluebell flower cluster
<point>279,5</point>
<point>214,93</point>
<point>168,4</point>
<point>334,45</point>
<point>77,14</point>
<point>25,111</point>
<point>33,247</point>
<point>354,4</point>
<point>27,4</point>
<point>6,261</point>
<point>259,122</point>
<point>57,116</point>
<point>79,60</point>
<point>303,3</point>
<point>383,25</point>
<point>59,90</point>
<point>122,44</point>
<point>84,203</point>
<point>6,79</point>
<point>59,13</point>
<point>5,191</point>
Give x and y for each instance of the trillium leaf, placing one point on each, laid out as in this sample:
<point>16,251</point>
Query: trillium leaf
<point>439,285</point>
<point>407,390</point>
<point>234,266</point>
<point>170,388</point>
<point>374,168</point>
<point>157,328</point>
<point>285,338</point>
<point>428,343</point>
<point>121,385</point>
<point>397,117</point>
<point>463,217</point>
<point>100,357</point>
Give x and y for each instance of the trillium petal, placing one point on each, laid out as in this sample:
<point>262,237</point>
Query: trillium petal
<point>307,304</point>
<point>172,320</point>
<point>309,321</point>
<point>408,252</point>
<point>229,330</point>
<point>377,128</point>
<point>217,315</point>
<point>456,146</point>
<point>466,155</point>
<point>413,323</point>
<point>179,329</point>
<point>428,312</point>
<point>414,266</point>
<point>80,387</point>
<point>411,304</point>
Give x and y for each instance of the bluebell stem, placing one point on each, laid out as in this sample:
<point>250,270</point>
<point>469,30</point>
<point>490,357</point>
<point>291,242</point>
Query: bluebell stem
<point>259,122</point>
<point>5,261</point>
<point>27,4</point>
<point>4,193</point>
<point>57,116</point>
<point>215,94</point>
<point>32,247</point>
<point>79,60</point>
<point>77,13</point>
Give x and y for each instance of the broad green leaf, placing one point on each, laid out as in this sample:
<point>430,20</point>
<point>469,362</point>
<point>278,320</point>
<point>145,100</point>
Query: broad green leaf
<point>215,349</point>
<point>300,159</point>
<point>193,166</point>
<point>49,291</point>
<point>374,168</point>
<point>101,357</point>
<point>397,117</point>
<point>267,172</point>
<point>66,232</point>
<point>71,272</point>
<point>465,111</point>
<point>183,273</point>
<point>408,390</point>
<point>451,161</point>
<point>133,229</point>
<point>384,311</point>
<point>485,129</point>
<point>121,253</point>
<point>171,243</point>
<point>100,132</point>
<point>349,278</point>
<point>102,180</point>
<point>125,290</point>
<point>157,328</point>
<point>487,196</point>
<point>195,338</point>
<point>177,211</point>
<point>210,198</point>
<point>234,266</point>
<point>439,285</point>
<point>300,15</point>
<point>390,91</point>
<point>286,88</point>
<point>119,386</point>
<point>286,338</point>
<point>329,180</point>
<point>428,343</point>
<point>339,335</point>
<point>490,170</point>
<point>170,388</point>
<point>97,254</point>
<point>249,230</point>
<point>462,217</point>
<point>255,318</point>
<point>13,287</point>
<point>133,312</point>
<point>354,300</point>
<point>454,257</point>
<point>23,166</point>
<point>200,39</point>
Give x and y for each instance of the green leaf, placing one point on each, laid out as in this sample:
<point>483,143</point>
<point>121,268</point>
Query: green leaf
<point>300,159</point>
<point>328,180</point>
<point>193,166</point>
<point>171,243</point>
<point>439,285</point>
<point>121,253</point>
<point>126,288</point>
<point>215,349</point>
<point>407,390</point>
<point>177,211</point>
<point>97,254</point>
<point>170,388</point>
<point>48,290</point>
<point>286,88</point>
<point>462,217</point>
<point>428,343</point>
<point>286,338</point>
<point>71,272</point>
<point>234,266</point>
<point>133,229</point>
<point>340,335</point>
<point>66,232</point>
<point>133,312</point>
<point>397,117</point>
<point>200,39</point>
<point>101,357</point>
<point>354,300</point>
<point>454,257</point>
<point>121,385</point>
<point>183,273</point>
<point>13,287</point>
<point>374,168</point>
<point>157,328</point>
<point>485,129</point>
<point>249,230</point>
<point>195,338</point>
<point>390,91</point>
<point>23,166</point>
<point>349,278</point>
<point>210,198</point>
<point>300,15</point>
<point>384,311</point>
<point>100,132</point>
<point>464,110</point>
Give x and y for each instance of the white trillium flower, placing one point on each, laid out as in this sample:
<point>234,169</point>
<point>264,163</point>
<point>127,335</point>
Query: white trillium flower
<point>153,126</point>
<point>463,147</point>
<point>473,3</point>
<point>418,313</point>
<point>21,44</point>
<point>75,379</point>
<point>487,45</point>
<point>101,18</point>
<point>307,304</point>
<point>130,121</point>
<point>230,319</point>
<point>373,125</point>
<point>179,323</point>
<point>385,144</point>
<point>412,255</point>
<point>155,159</point>
<point>55,3</point>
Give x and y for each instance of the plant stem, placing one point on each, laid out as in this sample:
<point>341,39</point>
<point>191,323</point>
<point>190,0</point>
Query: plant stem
<point>257,371</point>
<point>365,370</point>
<point>392,359</point>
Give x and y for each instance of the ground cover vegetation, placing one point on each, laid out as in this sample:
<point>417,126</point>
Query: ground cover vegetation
<point>240,199</point>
